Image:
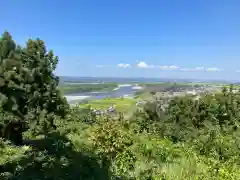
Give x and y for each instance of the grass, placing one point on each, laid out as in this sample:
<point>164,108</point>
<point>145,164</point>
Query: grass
<point>122,104</point>
<point>77,88</point>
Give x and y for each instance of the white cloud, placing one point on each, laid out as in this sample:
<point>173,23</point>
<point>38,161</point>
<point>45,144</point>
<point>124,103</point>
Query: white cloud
<point>122,65</point>
<point>200,68</point>
<point>238,71</point>
<point>142,64</point>
<point>173,67</point>
<point>213,69</point>
<point>169,67</point>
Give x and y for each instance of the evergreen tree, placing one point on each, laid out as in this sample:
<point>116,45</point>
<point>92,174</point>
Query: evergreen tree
<point>12,94</point>
<point>29,88</point>
<point>42,90</point>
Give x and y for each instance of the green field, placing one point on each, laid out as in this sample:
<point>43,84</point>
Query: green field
<point>77,88</point>
<point>122,104</point>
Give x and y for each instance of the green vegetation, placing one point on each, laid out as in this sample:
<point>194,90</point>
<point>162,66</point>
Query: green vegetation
<point>28,88</point>
<point>122,104</point>
<point>158,88</point>
<point>162,87</point>
<point>78,88</point>
<point>43,138</point>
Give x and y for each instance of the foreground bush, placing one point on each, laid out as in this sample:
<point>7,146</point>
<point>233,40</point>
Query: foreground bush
<point>111,149</point>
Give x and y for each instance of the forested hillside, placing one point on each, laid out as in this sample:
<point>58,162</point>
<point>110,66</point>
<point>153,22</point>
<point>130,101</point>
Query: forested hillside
<point>43,138</point>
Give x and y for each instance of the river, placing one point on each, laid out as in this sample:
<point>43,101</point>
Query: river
<point>124,90</point>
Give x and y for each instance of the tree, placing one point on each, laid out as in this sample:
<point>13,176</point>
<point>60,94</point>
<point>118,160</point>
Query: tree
<point>29,88</point>
<point>12,93</point>
<point>42,90</point>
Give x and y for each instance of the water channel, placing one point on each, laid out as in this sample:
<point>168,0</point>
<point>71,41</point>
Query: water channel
<point>126,90</point>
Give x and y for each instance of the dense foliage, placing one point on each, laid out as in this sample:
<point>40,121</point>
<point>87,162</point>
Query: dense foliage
<point>166,87</point>
<point>77,88</point>
<point>29,89</point>
<point>182,138</point>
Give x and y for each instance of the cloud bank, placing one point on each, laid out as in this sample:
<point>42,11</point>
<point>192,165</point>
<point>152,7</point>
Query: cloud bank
<point>144,65</point>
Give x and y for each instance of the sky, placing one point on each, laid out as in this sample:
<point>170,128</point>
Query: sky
<point>131,38</point>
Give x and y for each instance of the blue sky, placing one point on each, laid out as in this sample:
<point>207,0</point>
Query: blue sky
<point>132,38</point>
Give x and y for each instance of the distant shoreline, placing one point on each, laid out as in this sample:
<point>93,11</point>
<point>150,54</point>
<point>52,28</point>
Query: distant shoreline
<point>70,79</point>
<point>86,87</point>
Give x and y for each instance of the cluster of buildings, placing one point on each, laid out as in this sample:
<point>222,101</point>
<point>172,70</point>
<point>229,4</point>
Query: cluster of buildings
<point>111,109</point>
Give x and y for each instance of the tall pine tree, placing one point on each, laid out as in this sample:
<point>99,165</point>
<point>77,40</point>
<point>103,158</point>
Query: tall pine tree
<point>12,93</point>
<point>28,86</point>
<point>43,93</point>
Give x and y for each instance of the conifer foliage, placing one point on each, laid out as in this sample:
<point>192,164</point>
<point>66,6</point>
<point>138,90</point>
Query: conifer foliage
<point>28,86</point>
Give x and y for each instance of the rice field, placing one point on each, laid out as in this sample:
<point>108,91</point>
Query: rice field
<point>121,104</point>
